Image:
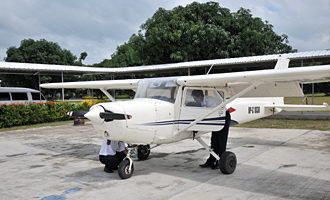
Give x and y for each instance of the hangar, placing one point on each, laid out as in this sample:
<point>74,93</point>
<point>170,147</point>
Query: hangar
<point>196,67</point>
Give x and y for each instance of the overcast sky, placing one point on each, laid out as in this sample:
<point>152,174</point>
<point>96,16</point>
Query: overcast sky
<point>99,26</point>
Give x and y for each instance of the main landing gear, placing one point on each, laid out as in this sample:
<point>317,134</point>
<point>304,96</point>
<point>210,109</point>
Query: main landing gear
<point>227,160</point>
<point>126,167</point>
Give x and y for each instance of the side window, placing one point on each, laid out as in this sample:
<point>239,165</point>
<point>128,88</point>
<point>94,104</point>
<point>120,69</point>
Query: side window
<point>35,95</point>
<point>20,96</point>
<point>203,98</point>
<point>4,96</point>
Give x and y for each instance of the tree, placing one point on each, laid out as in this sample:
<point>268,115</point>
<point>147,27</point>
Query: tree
<point>41,52</point>
<point>201,31</point>
<point>125,56</point>
<point>83,56</point>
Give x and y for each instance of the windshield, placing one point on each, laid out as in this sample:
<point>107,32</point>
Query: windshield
<point>157,88</point>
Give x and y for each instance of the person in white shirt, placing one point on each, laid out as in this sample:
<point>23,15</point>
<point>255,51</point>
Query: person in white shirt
<point>111,154</point>
<point>205,101</point>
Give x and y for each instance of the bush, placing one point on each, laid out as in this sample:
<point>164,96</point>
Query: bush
<point>33,113</point>
<point>90,103</point>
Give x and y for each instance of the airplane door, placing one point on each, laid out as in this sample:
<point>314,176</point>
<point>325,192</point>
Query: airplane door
<point>197,102</point>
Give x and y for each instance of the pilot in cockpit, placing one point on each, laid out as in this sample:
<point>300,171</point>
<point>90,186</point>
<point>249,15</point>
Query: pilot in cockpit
<point>204,100</point>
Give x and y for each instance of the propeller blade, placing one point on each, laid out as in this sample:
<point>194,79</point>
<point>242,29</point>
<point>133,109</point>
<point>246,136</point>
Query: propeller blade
<point>111,116</point>
<point>77,113</point>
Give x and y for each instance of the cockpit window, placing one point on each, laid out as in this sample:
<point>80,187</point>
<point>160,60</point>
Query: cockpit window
<point>158,88</point>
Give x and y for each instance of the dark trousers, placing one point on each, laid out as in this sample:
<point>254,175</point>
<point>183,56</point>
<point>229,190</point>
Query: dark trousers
<point>211,161</point>
<point>111,162</point>
<point>219,141</point>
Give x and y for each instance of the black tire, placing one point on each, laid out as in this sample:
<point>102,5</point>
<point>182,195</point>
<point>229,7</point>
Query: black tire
<point>228,162</point>
<point>123,169</point>
<point>143,152</point>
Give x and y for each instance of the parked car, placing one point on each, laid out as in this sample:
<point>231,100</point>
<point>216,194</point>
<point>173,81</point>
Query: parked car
<point>10,95</point>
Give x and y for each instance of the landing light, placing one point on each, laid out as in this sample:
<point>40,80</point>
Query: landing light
<point>106,134</point>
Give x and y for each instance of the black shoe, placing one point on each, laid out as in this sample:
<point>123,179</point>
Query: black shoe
<point>108,170</point>
<point>115,168</point>
<point>215,167</point>
<point>205,165</point>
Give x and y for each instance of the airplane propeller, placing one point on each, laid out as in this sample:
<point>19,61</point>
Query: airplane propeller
<point>109,116</point>
<point>99,115</point>
<point>77,114</point>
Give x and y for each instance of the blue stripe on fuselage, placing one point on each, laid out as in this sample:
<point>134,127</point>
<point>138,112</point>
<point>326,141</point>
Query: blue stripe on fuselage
<point>188,121</point>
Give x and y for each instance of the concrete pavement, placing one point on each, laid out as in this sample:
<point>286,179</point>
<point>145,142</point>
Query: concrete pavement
<point>61,162</point>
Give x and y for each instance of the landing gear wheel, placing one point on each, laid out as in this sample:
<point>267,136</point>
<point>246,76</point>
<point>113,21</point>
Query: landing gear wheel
<point>227,162</point>
<point>123,170</point>
<point>143,152</point>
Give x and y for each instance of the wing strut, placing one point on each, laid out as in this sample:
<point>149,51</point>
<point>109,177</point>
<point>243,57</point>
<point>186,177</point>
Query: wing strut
<point>201,141</point>
<point>108,95</point>
<point>219,107</point>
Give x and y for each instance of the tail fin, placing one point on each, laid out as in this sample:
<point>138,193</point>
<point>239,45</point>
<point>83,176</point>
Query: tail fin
<point>282,63</point>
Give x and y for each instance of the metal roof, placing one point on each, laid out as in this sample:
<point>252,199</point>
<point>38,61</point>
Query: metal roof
<point>265,60</point>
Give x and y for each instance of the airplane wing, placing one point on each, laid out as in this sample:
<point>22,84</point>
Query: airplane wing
<point>298,74</point>
<point>278,82</point>
<point>271,83</point>
<point>268,83</point>
<point>108,84</point>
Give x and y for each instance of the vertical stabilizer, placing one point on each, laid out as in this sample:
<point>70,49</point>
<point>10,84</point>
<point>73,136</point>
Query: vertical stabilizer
<point>282,63</point>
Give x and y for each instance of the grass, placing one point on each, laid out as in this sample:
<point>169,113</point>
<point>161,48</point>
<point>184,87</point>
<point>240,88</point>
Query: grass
<point>323,125</point>
<point>318,99</point>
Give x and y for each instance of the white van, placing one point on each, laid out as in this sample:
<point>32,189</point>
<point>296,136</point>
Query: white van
<point>10,95</point>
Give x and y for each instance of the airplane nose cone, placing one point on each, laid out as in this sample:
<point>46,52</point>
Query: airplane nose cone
<point>94,115</point>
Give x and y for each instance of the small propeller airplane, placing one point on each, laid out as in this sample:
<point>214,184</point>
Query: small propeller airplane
<point>166,110</point>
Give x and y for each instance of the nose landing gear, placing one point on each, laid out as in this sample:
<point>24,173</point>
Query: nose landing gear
<point>126,167</point>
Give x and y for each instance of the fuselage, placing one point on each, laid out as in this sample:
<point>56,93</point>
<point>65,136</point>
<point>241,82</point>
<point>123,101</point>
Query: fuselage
<point>161,110</point>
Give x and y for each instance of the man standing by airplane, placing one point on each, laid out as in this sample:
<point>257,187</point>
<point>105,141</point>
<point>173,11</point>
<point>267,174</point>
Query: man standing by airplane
<point>209,101</point>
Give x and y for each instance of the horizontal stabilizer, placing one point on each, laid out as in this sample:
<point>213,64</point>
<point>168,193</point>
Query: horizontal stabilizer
<point>289,107</point>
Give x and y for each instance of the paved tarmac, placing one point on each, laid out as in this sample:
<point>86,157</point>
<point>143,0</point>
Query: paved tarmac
<point>61,162</point>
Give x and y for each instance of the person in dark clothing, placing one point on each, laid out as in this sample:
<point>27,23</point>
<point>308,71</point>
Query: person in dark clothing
<point>218,144</point>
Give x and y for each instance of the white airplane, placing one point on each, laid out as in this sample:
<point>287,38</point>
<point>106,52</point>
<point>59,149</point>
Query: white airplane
<point>166,110</point>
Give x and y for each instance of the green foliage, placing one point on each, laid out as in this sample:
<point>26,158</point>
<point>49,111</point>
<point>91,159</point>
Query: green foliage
<point>83,56</point>
<point>199,31</point>
<point>41,52</point>
<point>125,56</point>
<point>33,113</point>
